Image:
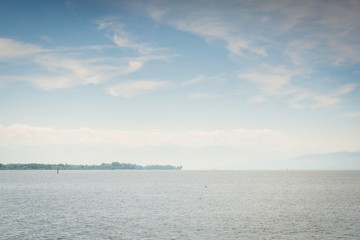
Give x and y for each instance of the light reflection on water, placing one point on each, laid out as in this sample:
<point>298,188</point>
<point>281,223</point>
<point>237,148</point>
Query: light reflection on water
<point>179,205</point>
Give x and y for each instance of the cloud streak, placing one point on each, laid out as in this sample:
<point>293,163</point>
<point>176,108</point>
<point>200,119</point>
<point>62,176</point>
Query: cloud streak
<point>354,114</point>
<point>201,78</point>
<point>328,28</point>
<point>72,72</point>
<point>200,95</point>
<point>276,82</point>
<point>68,67</point>
<point>133,88</point>
<point>122,38</point>
<point>259,33</point>
<point>214,29</point>
<point>10,48</point>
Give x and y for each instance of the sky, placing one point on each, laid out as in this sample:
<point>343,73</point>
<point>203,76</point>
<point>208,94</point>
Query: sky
<point>203,84</point>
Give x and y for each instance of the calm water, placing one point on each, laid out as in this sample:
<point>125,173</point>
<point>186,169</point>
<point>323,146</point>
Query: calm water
<point>179,205</point>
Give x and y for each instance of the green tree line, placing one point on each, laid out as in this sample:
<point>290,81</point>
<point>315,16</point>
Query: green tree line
<point>103,166</point>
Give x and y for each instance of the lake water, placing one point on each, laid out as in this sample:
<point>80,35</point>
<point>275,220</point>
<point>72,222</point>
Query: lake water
<point>179,205</point>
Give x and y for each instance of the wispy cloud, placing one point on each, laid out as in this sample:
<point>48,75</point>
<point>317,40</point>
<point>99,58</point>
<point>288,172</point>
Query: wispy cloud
<point>257,99</point>
<point>260,33</point>
<point>62,72</point>
<point>214,29</point>
<point>353,114</point>
<point>46,39</point>
<point>287,15</point>
<point>157,13</point>
<point>122,38</point>
<point>65,67</point>
<point>10,48</point>
<point>200,95</point>
<point>132,88</point>
<point>215,22</point>
<point>301,96</point>
<point>200,78</point>
<point>325,31</point>
<point>276,82</point>
<point>69,4</point>
<point>88,69</point>
<point>296,29</point>
<point>298,50</point>
<point>194,80</point>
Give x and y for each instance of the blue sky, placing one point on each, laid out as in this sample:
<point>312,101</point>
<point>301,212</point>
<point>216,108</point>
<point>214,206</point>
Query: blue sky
<point>203,84</point>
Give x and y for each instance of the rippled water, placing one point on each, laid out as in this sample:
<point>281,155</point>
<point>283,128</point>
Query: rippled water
<point>179,205</point>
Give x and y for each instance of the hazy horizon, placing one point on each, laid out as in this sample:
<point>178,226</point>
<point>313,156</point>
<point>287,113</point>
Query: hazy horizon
<point>202,84</point>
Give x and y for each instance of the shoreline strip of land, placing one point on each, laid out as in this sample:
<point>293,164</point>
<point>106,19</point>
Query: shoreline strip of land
<point>103,166</point>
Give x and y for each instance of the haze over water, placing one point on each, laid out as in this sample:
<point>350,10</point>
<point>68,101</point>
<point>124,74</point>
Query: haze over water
<point>180,205</point>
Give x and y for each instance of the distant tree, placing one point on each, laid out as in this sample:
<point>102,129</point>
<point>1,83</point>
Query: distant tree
<point>103,166</point>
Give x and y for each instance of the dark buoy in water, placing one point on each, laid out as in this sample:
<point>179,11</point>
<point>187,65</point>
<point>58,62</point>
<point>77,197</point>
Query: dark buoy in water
<point>57,170</point>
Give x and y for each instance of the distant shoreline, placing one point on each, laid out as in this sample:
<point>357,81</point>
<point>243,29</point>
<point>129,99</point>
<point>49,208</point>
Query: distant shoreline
<point>103,166</point>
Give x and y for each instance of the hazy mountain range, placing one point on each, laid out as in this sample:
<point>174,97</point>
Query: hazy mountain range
<point>330,161</point>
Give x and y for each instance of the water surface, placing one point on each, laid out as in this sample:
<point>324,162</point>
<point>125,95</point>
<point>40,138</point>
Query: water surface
<point>180,205</point>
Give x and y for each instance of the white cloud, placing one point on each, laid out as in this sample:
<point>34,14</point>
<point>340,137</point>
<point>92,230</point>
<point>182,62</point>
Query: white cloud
<point>71,72</point>
<point>123,38</point>
<point>277,82</point>
<point>10,48</point>
<point>46,39</point>
<point>67,67</point>
<point>157,13</point>
<point>216,29</point>
<point>329,30</point>
<point>132,88</point>
<point>319,100</point>
<point>64,72</point>
<point>124,42</point>
<point>257,99</point>
<point>51,83</point>
<point>353,114</point>
<point>271,80</point>
<point>297,50</point>
<point>288,14</point>
<point>329,48</point>
<point>341,17</point>
<point>207,23</point>
<point>200,78</point>
<point>303,30</point>
<point>200,95</point>
<point>194,80</point>
<point>80,69</point>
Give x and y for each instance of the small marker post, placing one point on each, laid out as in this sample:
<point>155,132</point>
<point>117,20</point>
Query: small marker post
<point>57,170</point>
